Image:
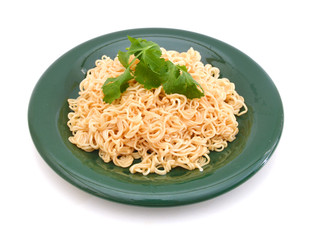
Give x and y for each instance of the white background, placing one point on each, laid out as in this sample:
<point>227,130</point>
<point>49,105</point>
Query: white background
<point>277,203</point>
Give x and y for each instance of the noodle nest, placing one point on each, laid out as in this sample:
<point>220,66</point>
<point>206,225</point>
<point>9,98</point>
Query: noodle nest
<point>163,131</point>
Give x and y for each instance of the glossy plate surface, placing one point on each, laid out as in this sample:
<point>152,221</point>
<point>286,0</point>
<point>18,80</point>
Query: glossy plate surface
<point>260,129</point>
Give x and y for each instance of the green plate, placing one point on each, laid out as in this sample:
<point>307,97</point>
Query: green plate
<point>260,128</point>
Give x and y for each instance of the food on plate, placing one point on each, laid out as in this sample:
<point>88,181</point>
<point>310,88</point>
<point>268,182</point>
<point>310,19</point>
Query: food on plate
<point>152,110</point>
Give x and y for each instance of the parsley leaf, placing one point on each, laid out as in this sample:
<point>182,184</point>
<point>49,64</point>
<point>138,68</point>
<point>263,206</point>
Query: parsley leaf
<point>147,77</point>
<point>192,88</point>
<point>142,46</point>
<point>171,76</point>
<point>113,87</point>
<point>152,71</point>
<point>180,81</point>
<point>148,52</point>
<point>123,58</point>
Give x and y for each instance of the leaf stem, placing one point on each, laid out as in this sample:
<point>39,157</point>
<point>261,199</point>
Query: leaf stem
<point>130,64</point>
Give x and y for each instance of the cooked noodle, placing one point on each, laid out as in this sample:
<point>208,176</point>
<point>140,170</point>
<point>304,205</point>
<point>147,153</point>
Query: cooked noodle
<point>164,131</point>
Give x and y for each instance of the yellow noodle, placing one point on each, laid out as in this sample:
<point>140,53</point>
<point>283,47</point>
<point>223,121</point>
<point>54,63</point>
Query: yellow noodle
<point>165,131</point>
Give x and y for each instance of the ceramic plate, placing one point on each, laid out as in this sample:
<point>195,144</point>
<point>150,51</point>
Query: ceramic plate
<point>260,129</point>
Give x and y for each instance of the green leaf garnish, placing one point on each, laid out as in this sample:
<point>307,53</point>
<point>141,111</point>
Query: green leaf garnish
<point>180,81</point>
<point>146,76</point>
<point>152,71</point>
<point>123,58</point>
<point>113,87</point>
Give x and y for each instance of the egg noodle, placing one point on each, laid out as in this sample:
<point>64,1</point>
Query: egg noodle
<point>163,131</point>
